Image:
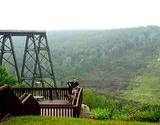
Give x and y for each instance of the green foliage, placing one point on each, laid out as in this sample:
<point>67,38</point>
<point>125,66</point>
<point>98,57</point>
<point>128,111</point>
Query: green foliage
<point>109,61</point>
<point>144,112</point>
<point>80,53</point>
<point>116,109</point>
<point>5,78</point>
<point>140,112</point>
<point>100,113</point>
<point>147,88</point>
<point>150,116</point>
<point>92,100</point>
<point>88,97</point>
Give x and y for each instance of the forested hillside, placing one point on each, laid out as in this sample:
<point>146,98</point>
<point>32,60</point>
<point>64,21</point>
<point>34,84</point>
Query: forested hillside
<point>119,61</point>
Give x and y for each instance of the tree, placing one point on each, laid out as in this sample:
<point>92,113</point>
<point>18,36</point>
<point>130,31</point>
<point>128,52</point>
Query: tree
<point>5,78</point>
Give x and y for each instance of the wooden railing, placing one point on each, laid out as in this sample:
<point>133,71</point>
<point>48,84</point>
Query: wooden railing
<point>66,110</point>
<point>11,104</point>
<point>79,102</point>
<point>58,110</point>
<point>47,93</point>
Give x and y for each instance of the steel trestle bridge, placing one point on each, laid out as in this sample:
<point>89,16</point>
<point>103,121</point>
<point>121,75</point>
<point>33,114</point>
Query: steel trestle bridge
<point>37,66</point>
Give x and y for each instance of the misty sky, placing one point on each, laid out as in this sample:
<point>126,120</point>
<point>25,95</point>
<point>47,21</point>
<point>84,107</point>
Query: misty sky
<point>78,14</point>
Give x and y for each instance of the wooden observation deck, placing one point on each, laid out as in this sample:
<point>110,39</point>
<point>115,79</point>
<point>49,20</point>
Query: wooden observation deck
<point>21,101</point>
<point>50,104</point>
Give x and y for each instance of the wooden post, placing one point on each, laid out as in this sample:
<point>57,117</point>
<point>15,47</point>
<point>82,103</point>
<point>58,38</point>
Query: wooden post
<point>75,112</point>
<point>50,94</point>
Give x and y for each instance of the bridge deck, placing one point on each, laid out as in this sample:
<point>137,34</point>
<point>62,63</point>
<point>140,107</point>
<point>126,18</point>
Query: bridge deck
<point>21,32</point>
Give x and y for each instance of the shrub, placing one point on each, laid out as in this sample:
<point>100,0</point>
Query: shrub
<point>144,116</point>
<point>119,116</point>
<point>93,100</point>
<point>100,114</point>
<point>108,108</point>
<point>5,78</point>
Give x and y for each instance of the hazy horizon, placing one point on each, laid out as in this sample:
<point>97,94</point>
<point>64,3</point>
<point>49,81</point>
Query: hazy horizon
<point>78,14</point>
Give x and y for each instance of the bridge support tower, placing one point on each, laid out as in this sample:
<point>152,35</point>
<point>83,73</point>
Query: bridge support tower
<point>37,67</point>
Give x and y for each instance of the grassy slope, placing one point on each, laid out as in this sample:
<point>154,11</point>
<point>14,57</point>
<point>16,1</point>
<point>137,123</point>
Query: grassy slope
<point>147,87</point>
<point>38,120</point>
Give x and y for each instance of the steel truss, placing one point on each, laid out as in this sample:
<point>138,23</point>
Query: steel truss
<point>37,69</point>
<point>7,53</point>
